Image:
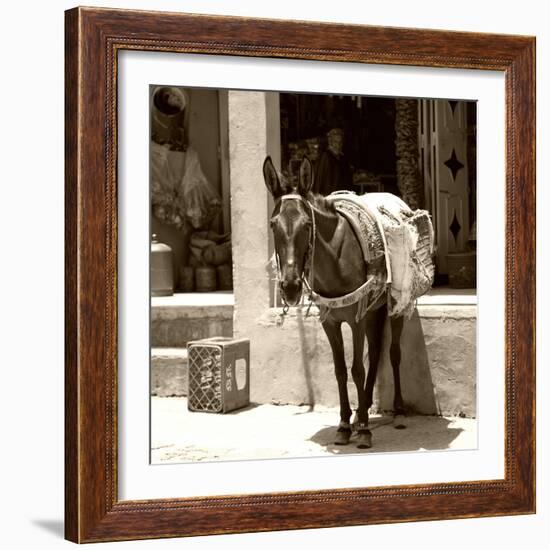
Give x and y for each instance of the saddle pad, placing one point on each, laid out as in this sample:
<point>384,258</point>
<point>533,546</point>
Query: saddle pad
<point>385,225</point>
<point>365,225</point>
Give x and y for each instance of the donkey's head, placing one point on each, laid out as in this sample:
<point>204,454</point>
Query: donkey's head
<point>292,227</point>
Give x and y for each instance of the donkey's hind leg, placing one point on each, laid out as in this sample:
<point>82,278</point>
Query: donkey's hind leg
<point>396,324</point>
<point>333,330</point>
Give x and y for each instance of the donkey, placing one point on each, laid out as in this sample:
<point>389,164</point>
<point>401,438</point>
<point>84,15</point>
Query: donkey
<point>313,241</point>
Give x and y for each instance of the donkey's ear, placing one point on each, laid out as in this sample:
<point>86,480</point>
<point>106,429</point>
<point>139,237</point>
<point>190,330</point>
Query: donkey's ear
<point>271,179</point>
<point>306,177</point>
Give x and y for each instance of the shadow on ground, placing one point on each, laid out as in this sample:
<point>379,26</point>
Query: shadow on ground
<point>288,431</point>
<point>422,433</point>
<point>249,407</point>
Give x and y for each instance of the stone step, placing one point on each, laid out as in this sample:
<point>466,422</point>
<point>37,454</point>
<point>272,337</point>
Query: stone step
<point>181,318</point>
<point>169,372</point>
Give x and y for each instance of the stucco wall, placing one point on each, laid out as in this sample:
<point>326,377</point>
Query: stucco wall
<point>292,362</point>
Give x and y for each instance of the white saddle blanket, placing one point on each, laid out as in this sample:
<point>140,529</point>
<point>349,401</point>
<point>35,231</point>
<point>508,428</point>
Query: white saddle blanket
<point>385,225</point>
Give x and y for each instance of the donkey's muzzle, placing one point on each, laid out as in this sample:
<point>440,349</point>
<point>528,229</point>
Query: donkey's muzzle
<point>292,291</point>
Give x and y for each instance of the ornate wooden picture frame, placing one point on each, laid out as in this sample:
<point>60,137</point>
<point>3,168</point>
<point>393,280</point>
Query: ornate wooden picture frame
<point>94,37</point>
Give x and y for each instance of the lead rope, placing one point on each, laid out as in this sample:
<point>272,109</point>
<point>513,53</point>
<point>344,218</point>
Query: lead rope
<point>311,275</point>
<point>286,307</point>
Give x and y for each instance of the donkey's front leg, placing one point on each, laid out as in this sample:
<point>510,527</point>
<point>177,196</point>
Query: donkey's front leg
<point>364,439</point>
<point>333,331</point>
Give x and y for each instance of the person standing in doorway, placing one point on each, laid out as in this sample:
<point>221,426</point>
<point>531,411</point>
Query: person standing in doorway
<point>333,173</point>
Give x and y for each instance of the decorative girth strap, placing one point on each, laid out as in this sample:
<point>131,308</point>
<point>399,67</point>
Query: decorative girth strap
<point>347,299</point>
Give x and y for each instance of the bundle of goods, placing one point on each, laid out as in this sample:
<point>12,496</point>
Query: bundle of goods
<point>210,263</point>
<point>367,181</point>
<point>181,194</point>
<point>362,176</point>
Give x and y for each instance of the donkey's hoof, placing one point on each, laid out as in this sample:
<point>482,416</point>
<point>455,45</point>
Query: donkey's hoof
<point>364,440</point>
<point>342,436</point>
<point>399,422</point>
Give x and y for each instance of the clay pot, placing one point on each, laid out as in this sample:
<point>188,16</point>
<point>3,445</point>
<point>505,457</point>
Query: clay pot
<point>187,278</point>
<point>225,277</point>
<point>205,279</point>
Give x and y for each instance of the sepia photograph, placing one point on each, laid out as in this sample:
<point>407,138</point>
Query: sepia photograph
<point>313,274</point>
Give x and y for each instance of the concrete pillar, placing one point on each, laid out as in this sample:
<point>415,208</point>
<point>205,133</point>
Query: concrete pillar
<point>249,219</point>
<point>273,117</point>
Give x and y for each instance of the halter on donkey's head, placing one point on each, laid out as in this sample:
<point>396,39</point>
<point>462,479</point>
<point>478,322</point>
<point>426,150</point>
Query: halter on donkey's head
<point>282,192</point>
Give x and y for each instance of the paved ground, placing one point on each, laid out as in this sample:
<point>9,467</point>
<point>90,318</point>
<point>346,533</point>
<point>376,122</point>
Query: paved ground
<point>270,431</point>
